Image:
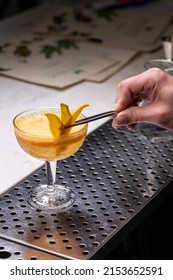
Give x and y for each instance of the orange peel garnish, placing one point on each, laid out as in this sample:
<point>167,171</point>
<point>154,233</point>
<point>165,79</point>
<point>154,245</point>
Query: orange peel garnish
<point>57,124</point>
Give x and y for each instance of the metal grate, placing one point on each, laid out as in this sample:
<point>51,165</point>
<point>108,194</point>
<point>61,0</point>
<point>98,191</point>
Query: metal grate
<point>13,251</point>
<point>114,176</point>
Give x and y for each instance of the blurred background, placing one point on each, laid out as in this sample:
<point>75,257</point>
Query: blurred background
<point>11,7</point>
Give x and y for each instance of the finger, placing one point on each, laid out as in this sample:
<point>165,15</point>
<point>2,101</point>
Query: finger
<point>134,115</point>
<point>137,88</point>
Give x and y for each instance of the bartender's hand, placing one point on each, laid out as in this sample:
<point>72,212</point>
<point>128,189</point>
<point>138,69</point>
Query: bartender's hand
<point>153,86</point>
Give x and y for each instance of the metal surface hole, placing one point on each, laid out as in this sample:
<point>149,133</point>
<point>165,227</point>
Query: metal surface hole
<point>59,227</point>
<point>23,205</point>
<point>99,202</point>
<point>49,235</point>
<point>33,230</point>
<point>146,196</point>
<point>85,252</point>
<point>69,247</point>
<point>20,232</point>
<point>142,191</point>
<point>65,240</point>
<point>17,253</point>
<point>41,216</point>
<point>91,236</point>
<point>5,227</point>
<point>94,215</point>
<point>62,233</point>
<point>136,197</point>
<point>9,201</point>
<point>85,223</point>
<point>95,244</point>
<point>31,224</point>
<point>75,231</point>
<point>5,254</point>
<point>72,225</point>
<point>28,187</point>
<point>123,199</point>
<point>104,235</point>
<point>101,229</point>
<point>21,199</point>
<point>131,192</point>
<point>122,218</point>
<point>88,230</point>
<point>82,245</point>
<point>110,220</point>
<point>139,203</point>
<point>36,237</point>
<point>114,227</point>
<point>97,222</point>
<point>115,206</point>
<point>52,242</point>
<point>28,218</point>
<point>106,214</point>
<point>131,210</point>
<point>103,208</point>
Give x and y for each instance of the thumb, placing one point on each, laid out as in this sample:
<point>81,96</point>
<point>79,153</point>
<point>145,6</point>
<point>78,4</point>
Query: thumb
<point>136,114</point>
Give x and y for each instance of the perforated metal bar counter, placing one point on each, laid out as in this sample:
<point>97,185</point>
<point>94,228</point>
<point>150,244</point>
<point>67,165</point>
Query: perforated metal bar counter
<point>118,176</point>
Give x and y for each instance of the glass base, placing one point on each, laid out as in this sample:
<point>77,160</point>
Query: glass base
<point>60,198</point>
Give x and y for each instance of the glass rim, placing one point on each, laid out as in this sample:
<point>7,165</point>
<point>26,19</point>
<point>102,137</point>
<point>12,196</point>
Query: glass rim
<point>42,109</point>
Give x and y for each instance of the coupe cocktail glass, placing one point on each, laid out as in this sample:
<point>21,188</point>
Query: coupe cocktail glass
<point>34,136</point>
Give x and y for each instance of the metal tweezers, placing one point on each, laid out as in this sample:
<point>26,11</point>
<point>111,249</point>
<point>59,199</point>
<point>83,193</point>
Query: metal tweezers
<point>93,118</point>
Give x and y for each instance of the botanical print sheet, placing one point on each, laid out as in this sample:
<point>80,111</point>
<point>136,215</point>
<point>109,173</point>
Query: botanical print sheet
<point>57,63</point>
<point>74,44</point>
<point>119,28</point>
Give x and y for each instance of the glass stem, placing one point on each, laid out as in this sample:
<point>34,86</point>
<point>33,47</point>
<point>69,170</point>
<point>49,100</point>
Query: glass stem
<point>51,174</point>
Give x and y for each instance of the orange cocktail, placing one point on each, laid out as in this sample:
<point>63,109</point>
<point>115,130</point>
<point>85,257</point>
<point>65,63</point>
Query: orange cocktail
<point>34,136</point>
<point>42,134</point>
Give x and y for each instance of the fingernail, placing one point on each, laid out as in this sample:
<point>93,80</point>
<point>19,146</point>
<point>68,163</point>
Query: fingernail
<point>121,120</point>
